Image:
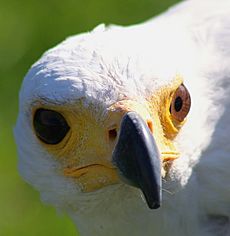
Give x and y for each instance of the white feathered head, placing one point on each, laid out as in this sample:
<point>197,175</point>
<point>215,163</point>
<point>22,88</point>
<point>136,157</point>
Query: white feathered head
<point>106,113</point>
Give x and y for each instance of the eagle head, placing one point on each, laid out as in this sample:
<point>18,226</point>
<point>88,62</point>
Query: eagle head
<point>104,122</point>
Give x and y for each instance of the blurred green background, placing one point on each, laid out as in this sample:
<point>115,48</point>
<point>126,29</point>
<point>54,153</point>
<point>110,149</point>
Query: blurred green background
<point>27,29</point>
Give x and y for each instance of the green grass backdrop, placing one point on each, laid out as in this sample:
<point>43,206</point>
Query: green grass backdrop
<point>27,29</point>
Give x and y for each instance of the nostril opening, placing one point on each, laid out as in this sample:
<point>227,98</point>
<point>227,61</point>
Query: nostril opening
<point>150,125</point>
<point>112,134</point>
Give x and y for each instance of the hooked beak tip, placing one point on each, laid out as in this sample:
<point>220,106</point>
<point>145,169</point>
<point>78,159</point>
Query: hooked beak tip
<point>137,157</point>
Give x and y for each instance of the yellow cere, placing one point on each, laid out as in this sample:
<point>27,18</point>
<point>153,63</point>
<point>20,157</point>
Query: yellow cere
<point>86,151</point>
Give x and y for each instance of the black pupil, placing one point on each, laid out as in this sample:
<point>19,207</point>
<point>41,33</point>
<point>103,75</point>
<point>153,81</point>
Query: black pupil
<point>178,104</point>
<point>50,126</point>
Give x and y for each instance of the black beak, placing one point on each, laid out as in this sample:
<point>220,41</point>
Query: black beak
<point>137,157</point>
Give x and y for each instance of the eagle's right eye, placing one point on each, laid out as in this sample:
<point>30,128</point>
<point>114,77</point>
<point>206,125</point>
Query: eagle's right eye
<point>50,126</point>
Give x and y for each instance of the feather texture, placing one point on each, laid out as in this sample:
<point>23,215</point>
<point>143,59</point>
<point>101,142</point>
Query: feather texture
<point>112,63</point>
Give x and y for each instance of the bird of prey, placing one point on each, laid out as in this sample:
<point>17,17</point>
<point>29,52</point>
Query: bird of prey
<point>127,128</point>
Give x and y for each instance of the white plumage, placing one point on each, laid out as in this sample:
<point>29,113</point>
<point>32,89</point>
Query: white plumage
<point>110,64</point>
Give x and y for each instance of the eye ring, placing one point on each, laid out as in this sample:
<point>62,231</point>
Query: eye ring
<point>50,126</point>
<point>180,104</point>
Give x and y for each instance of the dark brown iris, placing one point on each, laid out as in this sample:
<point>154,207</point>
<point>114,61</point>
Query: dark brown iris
<point>181,103</point>
<point>50,126</point>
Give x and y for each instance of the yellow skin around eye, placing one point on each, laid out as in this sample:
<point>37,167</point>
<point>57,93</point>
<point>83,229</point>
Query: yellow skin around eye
<point>86,151</point>
<point>161,102</point>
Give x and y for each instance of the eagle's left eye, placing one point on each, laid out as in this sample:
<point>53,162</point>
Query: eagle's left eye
<point>180,104</point>
<point>50,126</point>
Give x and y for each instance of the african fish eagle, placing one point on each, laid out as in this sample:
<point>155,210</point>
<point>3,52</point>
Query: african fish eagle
<point>127,128</point>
